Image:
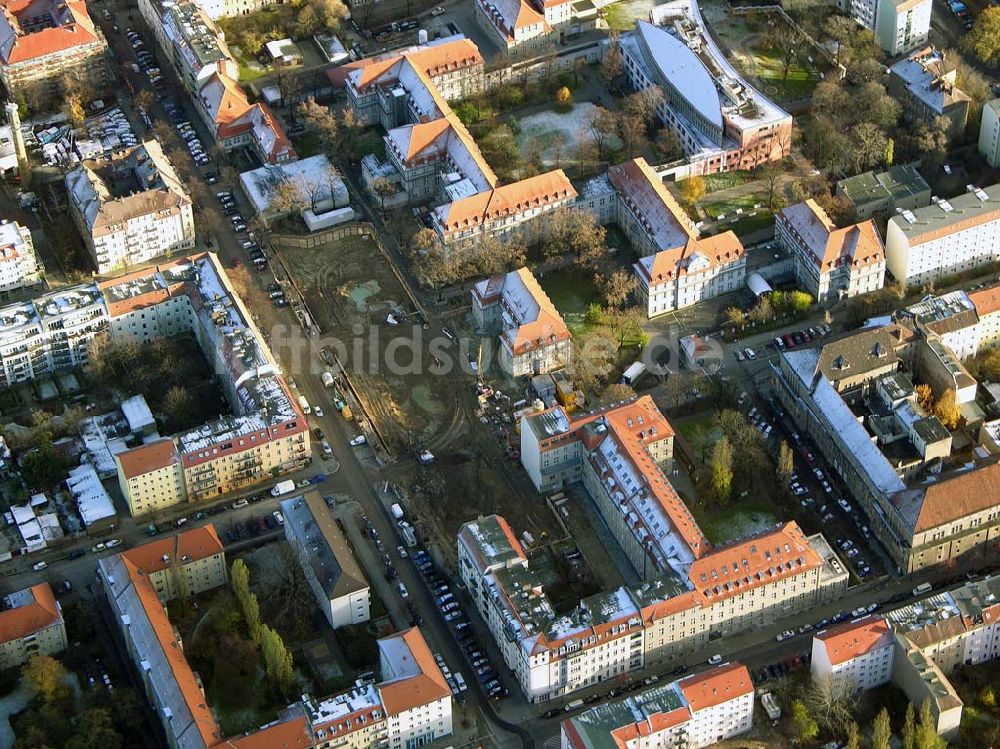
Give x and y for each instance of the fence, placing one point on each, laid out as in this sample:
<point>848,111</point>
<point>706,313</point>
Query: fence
<point>334,233</point>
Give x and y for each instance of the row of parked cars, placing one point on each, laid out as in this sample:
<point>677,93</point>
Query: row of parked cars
<point>798,337</point>
<point>451,609</point>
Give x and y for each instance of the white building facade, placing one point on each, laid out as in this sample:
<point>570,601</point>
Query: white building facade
<point>854,656</point>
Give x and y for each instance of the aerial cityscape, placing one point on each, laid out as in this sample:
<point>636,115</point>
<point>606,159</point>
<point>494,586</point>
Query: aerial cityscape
<point>500,374</point>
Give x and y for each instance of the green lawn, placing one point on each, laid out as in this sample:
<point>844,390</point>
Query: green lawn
<point>798,84</point>
<point>729,207</point>
<point>741,518</point>
<point>250,73</point>
<point>725,180</point>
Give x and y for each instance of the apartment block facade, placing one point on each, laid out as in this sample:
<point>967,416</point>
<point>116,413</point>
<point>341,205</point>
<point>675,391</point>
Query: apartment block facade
<point>831,263</point>
<point>695,712</point>
<point>19,264</point>
<point>921,521</point>
<point>854,656</point>
<point>266,434</point>
<point>130,229</point>
<point>533,337</point>
<point>31,624</point>
<point>948,237</point>
<point>899,25</point>
<point>44,42</point>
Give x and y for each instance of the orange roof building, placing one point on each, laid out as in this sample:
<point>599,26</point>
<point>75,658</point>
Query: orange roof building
<point>691,588</point>
<point>31,624</point>
<point>677,268</point>
<point>413,690</point>
<point>517,23</point>
<point>697,711</point>
<point>857,655</point>
<point>42,40</point>
<point>831,263</point>
<point>534,339</point>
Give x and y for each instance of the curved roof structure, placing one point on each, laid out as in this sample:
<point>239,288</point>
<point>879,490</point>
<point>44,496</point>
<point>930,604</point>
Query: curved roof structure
<point>678,64</point>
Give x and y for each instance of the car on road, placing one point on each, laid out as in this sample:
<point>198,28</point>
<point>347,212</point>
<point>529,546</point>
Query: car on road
<point>39,566</point>
<point>327,450</point>
<point>402,552</point>
<point>318,433</point>
<point>359,439</point>
<point>240,503</point>
<point>318,411</point>
<point>715,660</point>
<point>787,634</point>
<point>76,554</point>
<point>749,353</point>
<point>403,593</point>
<point>113,543</point>
<point>278,517</point>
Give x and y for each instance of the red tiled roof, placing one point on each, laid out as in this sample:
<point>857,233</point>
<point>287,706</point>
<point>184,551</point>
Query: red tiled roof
<point>718,685</point>
<point>24,620</point>
<point>853,639</point>
<point>194,544</point>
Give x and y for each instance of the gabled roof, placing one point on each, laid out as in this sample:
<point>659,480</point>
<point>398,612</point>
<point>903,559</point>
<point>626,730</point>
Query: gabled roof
<point>73,28</point>
<point>694,256</point>
<point>753,562</point>
<point>420,680</point>
<point>857,245</point>
<point>40,612</point>
<point>853,639</point>
<point>535,321</point>
<point>151,456</point>
<point>189,546</point>
<point>533,193</point>
<point>287,734</point>
<point>986,300</point>
<point>727,682</point>
<point>949,498</point>
<point>510,15</point>
<point>645,195</point>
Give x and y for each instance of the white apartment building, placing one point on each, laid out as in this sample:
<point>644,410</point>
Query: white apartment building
<point>327,561</point>
<point>899,25</point>
<point>694,712</point>
<point>854,656</point>
<point>831,263</point>
<point>150,218</point>
<point>50,333</point>
<point>19,265</point>
<point>989,133</point>
<point>520,26</point>
<point>951,236</point>
<point>677,268</point>
<point>953,317</point>
<point>414,694</point>
<point>31,624</point>
<point>533,337</point>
